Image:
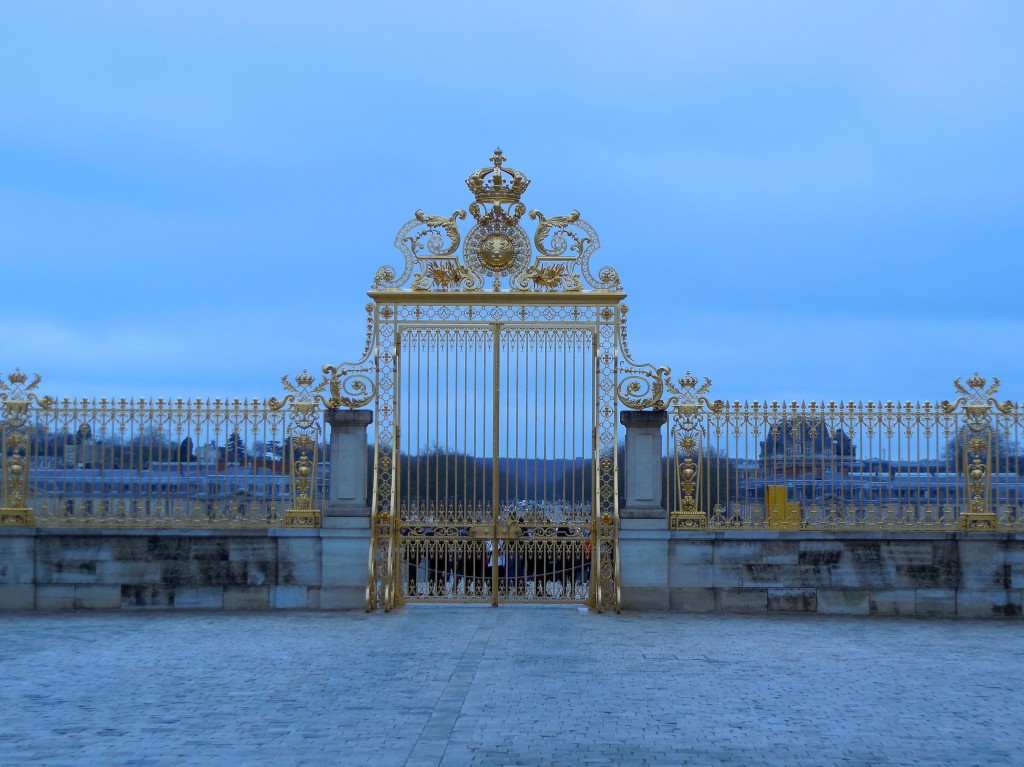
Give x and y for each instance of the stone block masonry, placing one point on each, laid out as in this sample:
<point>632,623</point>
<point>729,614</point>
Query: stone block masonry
<point>942,574</point>
<point>91,568</point>
<point>976,574</point>
<point>139,569</point>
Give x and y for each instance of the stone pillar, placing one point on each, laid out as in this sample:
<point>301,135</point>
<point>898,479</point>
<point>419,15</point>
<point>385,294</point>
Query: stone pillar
<point>345,533</point>
<point>643,462</point>
<point>348,463</point>
<point>643,524</point>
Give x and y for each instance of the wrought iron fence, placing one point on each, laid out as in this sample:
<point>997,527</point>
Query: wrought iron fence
<point>949,465</point>
<point>946,465</point>
<point>162,463</point>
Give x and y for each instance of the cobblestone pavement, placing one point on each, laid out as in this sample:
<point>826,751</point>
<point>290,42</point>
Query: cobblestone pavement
<point>507,686</point>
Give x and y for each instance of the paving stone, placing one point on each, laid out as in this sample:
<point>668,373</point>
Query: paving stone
<point>452,686</point>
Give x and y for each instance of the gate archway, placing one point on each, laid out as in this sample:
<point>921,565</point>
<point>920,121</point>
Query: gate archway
<point>494,361</point>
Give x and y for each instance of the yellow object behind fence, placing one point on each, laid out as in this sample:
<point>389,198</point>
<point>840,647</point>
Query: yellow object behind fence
<point>783,514</point>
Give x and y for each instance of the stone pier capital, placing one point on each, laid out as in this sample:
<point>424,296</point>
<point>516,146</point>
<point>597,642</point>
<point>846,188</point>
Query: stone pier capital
<point>351,419</point>
<point>632,418</point>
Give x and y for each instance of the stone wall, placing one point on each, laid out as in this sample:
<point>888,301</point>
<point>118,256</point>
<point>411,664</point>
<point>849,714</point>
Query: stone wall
<point>130,568</point>
<point>977,574</point>
<point>63,569</point>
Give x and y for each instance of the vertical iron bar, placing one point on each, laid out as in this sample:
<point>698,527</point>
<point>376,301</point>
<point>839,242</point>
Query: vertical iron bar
<point>495,447</point>
<point>597,588</point>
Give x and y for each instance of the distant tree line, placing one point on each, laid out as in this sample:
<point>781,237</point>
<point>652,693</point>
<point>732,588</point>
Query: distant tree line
<point>147,446</point>
<point>446,476</point>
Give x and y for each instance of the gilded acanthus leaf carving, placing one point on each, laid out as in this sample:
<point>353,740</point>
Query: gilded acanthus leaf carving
<point>548,277</point>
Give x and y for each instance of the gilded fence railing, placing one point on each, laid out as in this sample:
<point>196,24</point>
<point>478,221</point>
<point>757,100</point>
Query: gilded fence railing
<point>162,462</point>
<point>949,465</point>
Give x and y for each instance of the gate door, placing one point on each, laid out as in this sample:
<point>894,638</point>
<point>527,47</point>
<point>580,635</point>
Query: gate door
<point>493,360</point>
<point>495,462</point>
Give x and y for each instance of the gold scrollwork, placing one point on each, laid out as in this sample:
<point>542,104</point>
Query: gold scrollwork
<point>641,386</point>
<point>976,401</point>
<point>434,225</point>
<point>689,412</point>
<point>497,246</point>
<point>570,242</point>
<point>559,225</point>
<point>350,386</point>
<point>353,384</point>
<point>644,386</point>
<point>305,398</point>
<point>422,231</point>
<point>17,397</point>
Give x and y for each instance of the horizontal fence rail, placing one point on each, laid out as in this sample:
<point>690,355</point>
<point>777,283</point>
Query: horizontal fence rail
<point>860,465</point>
<point>161,463</point>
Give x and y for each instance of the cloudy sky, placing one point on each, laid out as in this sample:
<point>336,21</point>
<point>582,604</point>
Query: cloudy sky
<point>803,200</point>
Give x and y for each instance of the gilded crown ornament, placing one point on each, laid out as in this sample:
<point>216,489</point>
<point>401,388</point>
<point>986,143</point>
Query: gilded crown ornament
<point>497,249</point>
<point>20,391</point>
<point>488,184</point>
<point>688,381</point>
<point>978,381</point>
<point>975,395</point>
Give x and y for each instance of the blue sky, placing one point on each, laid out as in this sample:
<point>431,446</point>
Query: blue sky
<point>803,200</point>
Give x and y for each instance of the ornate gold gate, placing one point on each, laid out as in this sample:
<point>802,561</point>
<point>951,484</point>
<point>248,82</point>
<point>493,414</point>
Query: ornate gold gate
<point>494,363</point>
<point>494,481</point>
